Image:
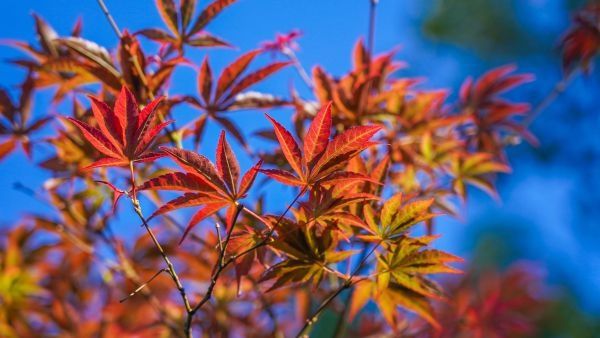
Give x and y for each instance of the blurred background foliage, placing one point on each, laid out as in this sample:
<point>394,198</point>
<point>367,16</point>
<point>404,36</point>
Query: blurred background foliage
<point>562,173</point>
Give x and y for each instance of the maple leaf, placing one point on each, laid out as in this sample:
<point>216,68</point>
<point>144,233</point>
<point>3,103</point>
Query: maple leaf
<point>226,93</point>
<point>395,218</point>
<point>476,169</point>
<point>582,42</point>
<point>15,126</point>
<point>328,208</point>
<point>242,239</point>
<point>491,114</point>
<point>125,133</point>
<point>321,160</point>
<point>307,253</point>
<point>401,279</point>
<point>490,303</point>
<point>180,30</point>
<point>203,183</point>
<point>349,93</point>
<point>283,43</point>
<point>55,63</point>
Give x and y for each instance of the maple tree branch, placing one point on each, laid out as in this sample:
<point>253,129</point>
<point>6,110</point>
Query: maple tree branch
<point>218,268</point>
<point>346,285</point>
<point>170,267</point>
<point>109,17</point>
<point>117,267</point>
<point>371,31</point>
<point>339,326</point>
<point>267,238</point>
<point>141,287</point>
<point>222,263</point>
<point>558,89</point>
<point>301,71</point>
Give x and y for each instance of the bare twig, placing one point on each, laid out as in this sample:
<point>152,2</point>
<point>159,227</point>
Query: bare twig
<point>301,71</point>
<point>222,263</point>
<point>109,17</point>
<point>558,89</point>
<point>371,31</point>
<point>141,287</point>
<point>218,268</point>
<point>347,284</point>
<point>171,269</point>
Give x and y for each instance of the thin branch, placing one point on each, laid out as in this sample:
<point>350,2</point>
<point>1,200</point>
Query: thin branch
<point>109,17</point>
<point>222,263</point>
<point>141,287</point>
<point>267,238</point>
<point>558,89</point>
<point>347,284</point>
<point>341,321</point>
<point>218,229</point>
<point>138,210</point>
<point>301,71</point>
<point>218,268</point>
<point>371,31</point>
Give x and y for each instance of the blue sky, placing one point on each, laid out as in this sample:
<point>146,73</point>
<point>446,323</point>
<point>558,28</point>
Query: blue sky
<point>548,203</point>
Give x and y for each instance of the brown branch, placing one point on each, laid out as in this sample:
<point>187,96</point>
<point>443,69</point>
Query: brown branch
<point>138,67</point>
<point>218,268</point>
<point>222,263</point>
<point>171,269</point>
<point>371,29</point>
<point>347,284</point>
<point>558,89</point>
<point>218,230</point>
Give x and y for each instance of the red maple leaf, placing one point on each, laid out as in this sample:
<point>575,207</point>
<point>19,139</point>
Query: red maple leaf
<point>204,184</point>
<point>125,133</point>
<point>321,160</point>
<point>283,43</point>
<point>582,42</point>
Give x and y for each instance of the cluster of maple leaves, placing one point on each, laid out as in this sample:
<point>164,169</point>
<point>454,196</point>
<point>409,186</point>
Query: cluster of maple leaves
<point>379,159</point>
